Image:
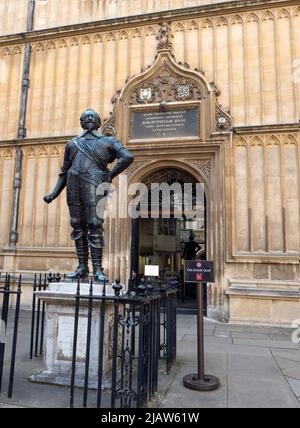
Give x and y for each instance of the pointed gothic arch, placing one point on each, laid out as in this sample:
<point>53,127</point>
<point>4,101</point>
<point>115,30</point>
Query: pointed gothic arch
<point>97,39</point>
<point>252,17</point>
<point>17,50</point>
<point>85,41</point>
<point>5,52</point>
<point>268,16</point>
<point>222,22</point>
<point>62,44</point>
<point>39,47</point>
<point>74,42</point>
<point>284,14</point>
<point>50,46</point>
<point>207,23</point>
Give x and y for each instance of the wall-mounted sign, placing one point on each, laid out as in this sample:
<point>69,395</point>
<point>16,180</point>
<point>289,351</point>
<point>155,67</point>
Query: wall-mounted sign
<point>165,124</point>
<point>199,271</point>
<point>151,270</point>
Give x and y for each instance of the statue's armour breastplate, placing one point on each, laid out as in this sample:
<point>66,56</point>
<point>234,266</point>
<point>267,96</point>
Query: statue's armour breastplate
<point>81,162</point>
<point>85,167</point>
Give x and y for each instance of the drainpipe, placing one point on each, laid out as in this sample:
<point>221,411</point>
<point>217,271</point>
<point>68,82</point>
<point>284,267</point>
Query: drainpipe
<point>17,183</point>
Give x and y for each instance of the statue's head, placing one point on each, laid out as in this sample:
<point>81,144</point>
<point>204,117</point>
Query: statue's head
<point>90,120</point>
<point>192,236</point>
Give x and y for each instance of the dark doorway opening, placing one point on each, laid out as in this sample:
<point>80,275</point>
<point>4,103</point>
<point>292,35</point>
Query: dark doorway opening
<point>164,241</point>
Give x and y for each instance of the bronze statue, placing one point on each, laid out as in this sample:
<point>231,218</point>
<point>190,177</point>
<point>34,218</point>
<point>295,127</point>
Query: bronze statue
<point>84,169</point>
<point>191,248</point>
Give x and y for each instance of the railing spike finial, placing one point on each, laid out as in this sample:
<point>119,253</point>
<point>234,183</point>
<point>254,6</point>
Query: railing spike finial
<point>117,286</point>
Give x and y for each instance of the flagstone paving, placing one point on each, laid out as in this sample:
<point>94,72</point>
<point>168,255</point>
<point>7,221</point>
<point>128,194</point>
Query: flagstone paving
<point>258,367</point>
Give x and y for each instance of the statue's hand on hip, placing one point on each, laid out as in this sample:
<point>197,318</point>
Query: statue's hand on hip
<point>107,177</point>
<point>49,198</point>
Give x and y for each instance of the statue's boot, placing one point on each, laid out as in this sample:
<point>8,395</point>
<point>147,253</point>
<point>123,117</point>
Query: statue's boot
<point>82,250</point>
<point>97,254</point>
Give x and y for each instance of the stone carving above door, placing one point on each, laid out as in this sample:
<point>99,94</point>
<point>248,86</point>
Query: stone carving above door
<point>204,165</point>
<point>164,36</point>
<point>168,85</point>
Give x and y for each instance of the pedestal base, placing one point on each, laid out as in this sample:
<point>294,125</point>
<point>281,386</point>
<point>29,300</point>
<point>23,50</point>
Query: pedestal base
<point>59,331</point>
<point>57,379</point>
<point>210,383</point>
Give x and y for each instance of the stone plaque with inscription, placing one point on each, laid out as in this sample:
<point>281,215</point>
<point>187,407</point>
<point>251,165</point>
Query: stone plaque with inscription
<point>167,124</point>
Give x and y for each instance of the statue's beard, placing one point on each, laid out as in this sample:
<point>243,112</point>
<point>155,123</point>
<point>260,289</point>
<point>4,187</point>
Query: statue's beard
<point>90,126</point>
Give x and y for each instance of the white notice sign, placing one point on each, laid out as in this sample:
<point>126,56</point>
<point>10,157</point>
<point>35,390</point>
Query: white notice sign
<point>151,270</point>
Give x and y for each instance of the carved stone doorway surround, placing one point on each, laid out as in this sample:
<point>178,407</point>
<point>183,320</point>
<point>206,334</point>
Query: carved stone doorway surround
<point>171,86</point>
<point>206,169</point>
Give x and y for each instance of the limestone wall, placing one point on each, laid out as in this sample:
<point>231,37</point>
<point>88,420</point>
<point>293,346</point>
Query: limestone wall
<point>51,13</point>
<point>13,16</point>
<point>71,74</point>
<point>42,225</point>
<point>250,57</point>
<point>266,194</point>
<point>11,66</point>
<point>7,156</point>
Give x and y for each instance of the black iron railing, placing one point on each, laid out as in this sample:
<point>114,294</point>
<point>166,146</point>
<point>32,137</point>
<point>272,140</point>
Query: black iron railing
<point>37,317</point>
<point>142,333</point>
<point>6,292</point>
<point>169,323</point>
<point>40,283</point>
<point>135,346</point>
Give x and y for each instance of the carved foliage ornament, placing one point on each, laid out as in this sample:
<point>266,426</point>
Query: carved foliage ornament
<point>109,127</point>
<point>223,119</point>
<point>164,37</point>
<point>166,86</point>
<point>204,165</point>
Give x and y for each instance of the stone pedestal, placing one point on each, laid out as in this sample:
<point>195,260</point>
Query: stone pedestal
<point>59,330</point>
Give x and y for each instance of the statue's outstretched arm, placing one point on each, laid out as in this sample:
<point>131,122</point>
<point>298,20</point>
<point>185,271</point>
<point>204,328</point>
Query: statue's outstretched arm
<point>62,179</point>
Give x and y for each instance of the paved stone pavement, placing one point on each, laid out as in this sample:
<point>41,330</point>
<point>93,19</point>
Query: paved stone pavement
<point>259,367</point>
